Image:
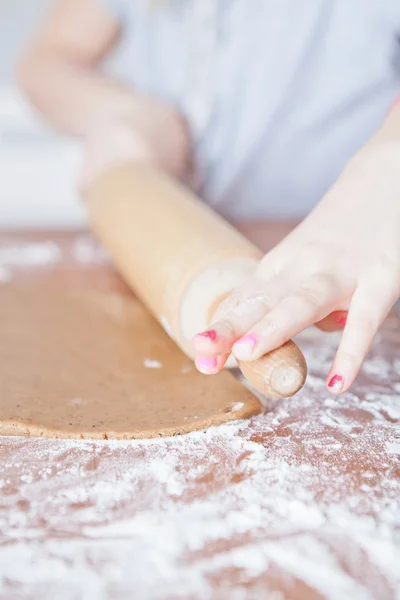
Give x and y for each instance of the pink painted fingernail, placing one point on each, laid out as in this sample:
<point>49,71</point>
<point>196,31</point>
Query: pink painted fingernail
<point>336,383</point>
<point>246,343</point>
<point>342,320</point>
<point>210,334</point>
<point>206,364</point>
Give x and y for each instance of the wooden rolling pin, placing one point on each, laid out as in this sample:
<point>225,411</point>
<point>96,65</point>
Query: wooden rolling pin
<point>181,258</point>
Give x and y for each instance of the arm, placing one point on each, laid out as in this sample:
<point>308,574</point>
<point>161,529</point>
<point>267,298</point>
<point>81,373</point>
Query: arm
<point>390,128</point>
<point>340,268</point>
<point>59,71</point>
<point>58,68</point>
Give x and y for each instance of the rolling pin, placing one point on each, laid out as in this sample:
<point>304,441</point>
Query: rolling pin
<point>181,259</point>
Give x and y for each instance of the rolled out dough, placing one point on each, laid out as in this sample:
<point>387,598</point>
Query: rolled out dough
<point>76,365</point>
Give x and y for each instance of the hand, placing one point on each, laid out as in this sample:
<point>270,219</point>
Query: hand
<point>344,257</point>
<point>144,129</point>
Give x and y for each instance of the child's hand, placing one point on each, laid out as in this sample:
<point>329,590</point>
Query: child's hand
<point>145,129</point>
<point>345,256</point>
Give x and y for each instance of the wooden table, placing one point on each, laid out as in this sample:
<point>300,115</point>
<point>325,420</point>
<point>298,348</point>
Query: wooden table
<point>302,502</point>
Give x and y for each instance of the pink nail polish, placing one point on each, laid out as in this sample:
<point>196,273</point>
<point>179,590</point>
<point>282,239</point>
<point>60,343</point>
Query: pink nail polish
<point>206,364</point>
<point>342,320</point>
<point>210,334</point>
<point>246,343</point>
<point>336,383</point>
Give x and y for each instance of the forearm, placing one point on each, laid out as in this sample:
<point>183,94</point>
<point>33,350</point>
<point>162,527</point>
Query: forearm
<point>379,158</point>
<point>73,98</point>
<point>60,73</point>
<point>389,131</point>
<point>116,122</point>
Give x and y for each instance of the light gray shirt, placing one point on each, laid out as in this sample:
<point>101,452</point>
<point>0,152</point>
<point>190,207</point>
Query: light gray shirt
<point>279,93</point>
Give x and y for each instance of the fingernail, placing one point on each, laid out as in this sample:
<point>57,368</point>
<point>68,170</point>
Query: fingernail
<point>342,320</point>
<point>210,334</point>
<point>246,343</point>
<point>206,364</point>
<point>336,383</point>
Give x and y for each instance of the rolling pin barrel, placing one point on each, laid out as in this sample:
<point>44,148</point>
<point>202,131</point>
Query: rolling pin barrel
<point>180,257</point>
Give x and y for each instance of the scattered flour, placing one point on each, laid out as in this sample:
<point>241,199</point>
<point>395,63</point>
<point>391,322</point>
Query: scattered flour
<point>300,502</point>
<point>237,406</point>
<point>86,251</point>
<point>152,364</point>
<point>29,254</point>
<point>25,255</point>
<point>304,497</point>
<point>377,366</point>
<point>393,447</point>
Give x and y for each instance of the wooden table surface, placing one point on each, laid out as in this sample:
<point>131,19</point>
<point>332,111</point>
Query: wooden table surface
<point>301,502</point>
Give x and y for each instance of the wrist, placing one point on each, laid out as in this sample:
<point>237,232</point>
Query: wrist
<point>378,160</point>
<point>389,129</point>
<point>142,128</point>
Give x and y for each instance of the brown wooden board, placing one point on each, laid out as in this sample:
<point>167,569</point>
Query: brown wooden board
<point>300,502</point>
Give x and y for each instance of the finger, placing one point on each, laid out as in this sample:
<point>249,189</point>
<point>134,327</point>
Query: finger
<point>209,365</point>
<point>333,322</point>
<point>368,309</point>
<point>292,314</point>
<point>236,315</point>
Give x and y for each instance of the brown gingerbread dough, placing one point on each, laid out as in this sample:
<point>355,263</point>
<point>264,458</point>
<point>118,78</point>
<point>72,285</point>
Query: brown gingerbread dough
<point>92,365</point>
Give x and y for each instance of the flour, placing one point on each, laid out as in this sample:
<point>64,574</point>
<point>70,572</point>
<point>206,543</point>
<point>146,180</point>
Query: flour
<point>152,364</point>
<point>302,501</point>
<point>393,447</point>
<point>32,254</point>
<point>237,406</point>
<point>5,274</point>
<point>18,255</point>
<point>245,510</point>
<point>377,367</point>
<point>86,251</point>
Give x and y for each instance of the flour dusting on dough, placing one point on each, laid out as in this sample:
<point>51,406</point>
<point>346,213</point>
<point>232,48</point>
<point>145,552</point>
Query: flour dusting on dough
<point>152,364</point>
<point>237,406</point>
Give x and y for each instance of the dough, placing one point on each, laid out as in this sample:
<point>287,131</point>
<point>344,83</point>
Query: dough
<point>92,365</point>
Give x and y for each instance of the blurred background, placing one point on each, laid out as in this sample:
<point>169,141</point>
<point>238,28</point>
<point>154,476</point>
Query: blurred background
<point>33,160</point>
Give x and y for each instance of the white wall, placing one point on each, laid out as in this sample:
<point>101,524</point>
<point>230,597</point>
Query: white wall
<point>37,168</point>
